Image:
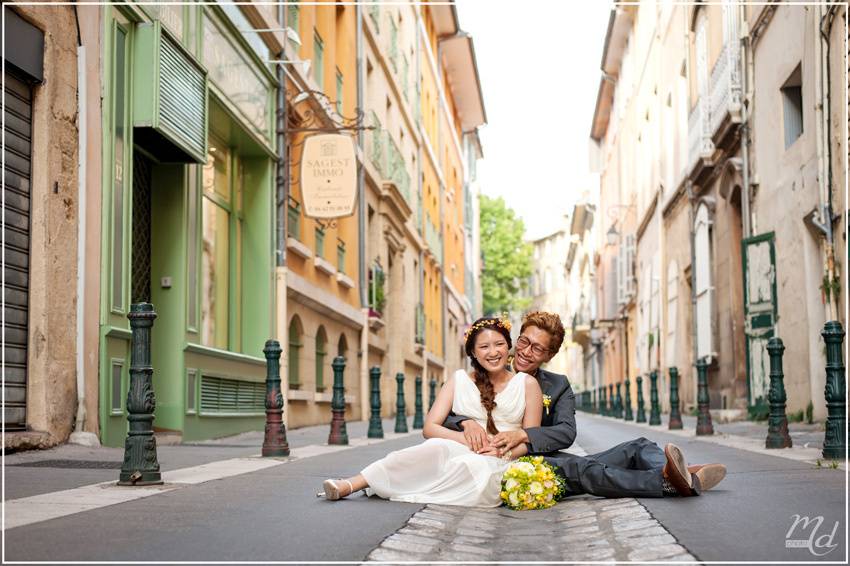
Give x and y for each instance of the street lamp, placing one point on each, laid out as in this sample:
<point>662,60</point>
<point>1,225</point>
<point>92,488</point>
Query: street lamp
<point>613,235</point>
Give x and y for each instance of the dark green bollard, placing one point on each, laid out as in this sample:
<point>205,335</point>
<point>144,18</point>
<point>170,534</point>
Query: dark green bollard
<point>376,427</point>
<point>704,426</point>
<point>654,407</point>
<point>400,407</point>
<point>612,412</point>
<point>274,441</point>
<point>140,466</point>
<point>777,422</point>
<point>641,411</point>
<point>835,439</point>
<point>603,403</point>
<point>618,403</point>
<point>675,413</point>
<point>629,416</point>
<point>339,434</point>
<point>418,419</point>
<point>432,392</point>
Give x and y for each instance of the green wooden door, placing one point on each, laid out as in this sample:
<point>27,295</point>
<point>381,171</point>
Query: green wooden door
<point>759,315</point>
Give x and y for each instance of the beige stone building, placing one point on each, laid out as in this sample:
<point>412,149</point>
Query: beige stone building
<point>42,376</point>
<point>720,158</point>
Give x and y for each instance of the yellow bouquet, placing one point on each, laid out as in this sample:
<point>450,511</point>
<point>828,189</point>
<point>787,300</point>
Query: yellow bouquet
<point>531,483</point>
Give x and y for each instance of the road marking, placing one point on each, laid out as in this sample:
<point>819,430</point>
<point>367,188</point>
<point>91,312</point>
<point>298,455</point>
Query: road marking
<point>46,506</point>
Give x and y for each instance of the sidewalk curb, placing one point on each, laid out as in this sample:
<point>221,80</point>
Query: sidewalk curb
<point>806,455</point>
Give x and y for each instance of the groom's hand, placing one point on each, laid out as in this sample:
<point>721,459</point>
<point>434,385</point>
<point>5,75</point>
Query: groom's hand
<point>475,435</point>
<point>504,441</point>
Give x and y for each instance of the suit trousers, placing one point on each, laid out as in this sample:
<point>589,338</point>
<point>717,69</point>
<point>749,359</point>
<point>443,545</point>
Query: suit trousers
<point>630,469</point>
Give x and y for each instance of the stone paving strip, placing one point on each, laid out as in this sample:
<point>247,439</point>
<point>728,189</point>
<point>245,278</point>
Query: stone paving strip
<point>46,506</point>
<point>797,453</point>
<point>576,529</point>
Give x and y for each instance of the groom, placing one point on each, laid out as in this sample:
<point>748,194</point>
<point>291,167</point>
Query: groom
<point>638,468</point>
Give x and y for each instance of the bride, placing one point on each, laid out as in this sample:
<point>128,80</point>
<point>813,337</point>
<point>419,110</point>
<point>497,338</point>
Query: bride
<point>444,469</point>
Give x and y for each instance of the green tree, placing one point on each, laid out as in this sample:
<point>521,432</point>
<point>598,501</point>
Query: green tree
<point>507,257</point>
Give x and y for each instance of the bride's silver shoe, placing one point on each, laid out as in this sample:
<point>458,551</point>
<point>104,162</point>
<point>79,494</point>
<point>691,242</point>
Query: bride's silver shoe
<point>332,491</point>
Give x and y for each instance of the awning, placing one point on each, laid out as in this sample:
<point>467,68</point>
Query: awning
<point>462,72</point>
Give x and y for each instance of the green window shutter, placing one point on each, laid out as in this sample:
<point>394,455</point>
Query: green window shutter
<point>318,60</point>
<point>170,110</point>
<point>340,256</point>
<point>232,396</point>
<point>339,92</point>
<point>294,223</point>
<point>320,243</point>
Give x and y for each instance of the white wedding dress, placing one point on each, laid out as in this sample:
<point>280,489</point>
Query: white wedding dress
<point>447,472</point>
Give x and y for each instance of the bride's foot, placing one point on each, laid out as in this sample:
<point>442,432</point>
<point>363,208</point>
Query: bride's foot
<point>336,489</point>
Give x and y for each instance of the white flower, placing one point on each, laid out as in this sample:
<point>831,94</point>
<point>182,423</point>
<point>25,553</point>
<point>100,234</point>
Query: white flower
<point>511,484</point>
<point>525,467</point>
<point>513,498</point>
<point>535,487</point>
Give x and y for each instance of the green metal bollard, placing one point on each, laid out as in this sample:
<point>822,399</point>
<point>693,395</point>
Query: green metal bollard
<point>641,411</point>
<point>612,411</point>
<point>140,466</point>
<point>675,413</point>
<point>618,403</point>
<point>274,441</point>
<point>603,403</point>
<point>418,418</point>
<point>339,434</point>
<point>400,407</point>
<point>704,426</point>
<point>376,427</point>
<point>654,407</point>
<point>777,422</point>
<point>432,392</point>
<point>835,439</point>
<point>629,416</point>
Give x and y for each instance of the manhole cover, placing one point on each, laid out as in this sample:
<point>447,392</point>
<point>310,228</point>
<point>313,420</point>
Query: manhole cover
<point>76,464</point>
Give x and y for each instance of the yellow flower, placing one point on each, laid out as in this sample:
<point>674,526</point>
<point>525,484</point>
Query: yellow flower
<point>547,400</point>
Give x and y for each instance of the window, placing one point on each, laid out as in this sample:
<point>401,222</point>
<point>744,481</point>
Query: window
<point>294,15</point>
<point>702,282</point>
<point>318,60</point>
<point>321,356</point>
<point>293,226</point>
<point>320,243</point>
<point>393,44</point>
<point>340,256</point>
<point>119,157</point>
<point>221,227</point>
<point>295,333</point>
<point>792,107</point>
<point>339,91</point>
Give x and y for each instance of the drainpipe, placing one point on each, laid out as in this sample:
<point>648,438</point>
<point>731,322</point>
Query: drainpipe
<point>361,227</point>
<point>746,97</point>
<point>692,237</point>
<point>824,25</point>
<point>79,435</point>
<point>280,326</point>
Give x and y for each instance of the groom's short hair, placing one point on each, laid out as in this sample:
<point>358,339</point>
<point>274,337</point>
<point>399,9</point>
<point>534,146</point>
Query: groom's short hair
<point>547,321</point>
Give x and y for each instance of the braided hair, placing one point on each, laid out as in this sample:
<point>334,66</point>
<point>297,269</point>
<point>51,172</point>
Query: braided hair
<point>479,374</point>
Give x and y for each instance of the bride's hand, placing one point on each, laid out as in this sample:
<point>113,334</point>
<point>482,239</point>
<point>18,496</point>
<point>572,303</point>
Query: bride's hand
<point>474,435</point>
<point>489,450</point>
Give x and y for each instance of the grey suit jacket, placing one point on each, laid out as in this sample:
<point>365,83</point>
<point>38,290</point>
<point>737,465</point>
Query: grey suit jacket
<point>558,428</point>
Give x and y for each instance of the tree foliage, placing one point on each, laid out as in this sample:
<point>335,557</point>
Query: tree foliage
<point>507,257</point>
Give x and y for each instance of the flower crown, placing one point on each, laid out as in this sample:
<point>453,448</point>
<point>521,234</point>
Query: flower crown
<point>487,323</point>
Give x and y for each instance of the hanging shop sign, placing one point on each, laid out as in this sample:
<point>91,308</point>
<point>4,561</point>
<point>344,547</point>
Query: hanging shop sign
<point>328,176</point>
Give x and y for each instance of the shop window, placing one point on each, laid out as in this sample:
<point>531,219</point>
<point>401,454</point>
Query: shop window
<point>221,228</point>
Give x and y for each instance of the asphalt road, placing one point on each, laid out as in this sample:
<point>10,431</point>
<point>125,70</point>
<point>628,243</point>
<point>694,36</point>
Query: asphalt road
<point>274,515</point>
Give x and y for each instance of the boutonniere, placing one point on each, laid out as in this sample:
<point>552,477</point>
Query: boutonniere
<point>547,400</point>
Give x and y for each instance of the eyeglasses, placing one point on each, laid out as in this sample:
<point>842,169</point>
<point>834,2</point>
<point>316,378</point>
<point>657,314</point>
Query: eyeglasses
<point>522,343</point>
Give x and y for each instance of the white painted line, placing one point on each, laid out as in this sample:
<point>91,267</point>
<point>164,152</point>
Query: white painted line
<point>46,506</point>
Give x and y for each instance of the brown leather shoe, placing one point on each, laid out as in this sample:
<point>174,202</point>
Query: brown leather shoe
<point>676,471</point>
<point>709,474</point>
